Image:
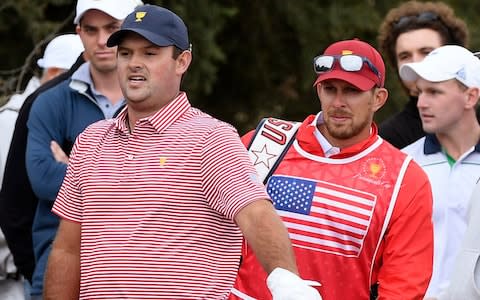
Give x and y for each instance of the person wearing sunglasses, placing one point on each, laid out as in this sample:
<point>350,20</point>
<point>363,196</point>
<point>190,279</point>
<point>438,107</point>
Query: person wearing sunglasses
<point>450,152</point>
<point>357,209</point>
<point>407,34</point>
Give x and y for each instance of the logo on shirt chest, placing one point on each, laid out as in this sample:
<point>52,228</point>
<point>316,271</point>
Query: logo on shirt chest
<point>373,170</point>
<point>162,161</point>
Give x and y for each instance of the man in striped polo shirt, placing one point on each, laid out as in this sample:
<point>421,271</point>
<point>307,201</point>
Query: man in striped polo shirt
<point>60,113</point>
<point>155,201</point>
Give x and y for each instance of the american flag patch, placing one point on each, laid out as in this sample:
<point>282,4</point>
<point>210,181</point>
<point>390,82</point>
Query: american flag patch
<point>321,216</point>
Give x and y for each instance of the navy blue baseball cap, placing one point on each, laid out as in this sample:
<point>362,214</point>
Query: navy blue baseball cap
<point>159,25</point>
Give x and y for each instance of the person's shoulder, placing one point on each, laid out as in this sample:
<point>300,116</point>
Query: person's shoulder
<point>14,103</point>
<point>205,121</point>
<point>202,116</point>
<point>415,185</point>
<point>416,170</point>
<point>100,126</point>
<point>95,135</point>
<point>97,130</point>
<point>247,138</point>
<point>410,155</point>
<point>54,93</point>
<point>49,102</point>
<point>415,149</point>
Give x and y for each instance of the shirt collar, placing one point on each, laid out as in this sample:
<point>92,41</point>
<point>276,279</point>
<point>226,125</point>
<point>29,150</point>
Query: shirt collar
<point>432,145</point>
<point>307,139</point>
<point>82,74</point>
<point>327,148</point>
<point>163,118</point>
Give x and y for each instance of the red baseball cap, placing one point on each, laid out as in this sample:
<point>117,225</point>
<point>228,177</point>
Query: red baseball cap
<point>365,79</point>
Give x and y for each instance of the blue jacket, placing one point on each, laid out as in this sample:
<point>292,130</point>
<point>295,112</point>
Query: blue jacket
<point>60,114</point>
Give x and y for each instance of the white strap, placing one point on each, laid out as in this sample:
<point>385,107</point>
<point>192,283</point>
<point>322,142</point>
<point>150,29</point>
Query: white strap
<point>272,139</point>
<point>241,295</point>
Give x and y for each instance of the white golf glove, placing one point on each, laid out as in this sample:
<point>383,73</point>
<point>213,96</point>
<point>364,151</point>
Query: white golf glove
<point>284,285</point>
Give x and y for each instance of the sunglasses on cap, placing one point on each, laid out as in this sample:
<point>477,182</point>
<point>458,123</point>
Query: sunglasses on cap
<point>424,17</point>
<point>349,63</point>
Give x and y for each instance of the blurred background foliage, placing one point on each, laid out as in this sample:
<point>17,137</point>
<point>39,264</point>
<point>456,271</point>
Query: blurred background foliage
<point>251,58</point>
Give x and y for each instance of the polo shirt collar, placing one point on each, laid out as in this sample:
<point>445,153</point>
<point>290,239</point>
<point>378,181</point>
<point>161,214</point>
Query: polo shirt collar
<point>327,148</point>
<point>163,118</point>
<point>121,120</point>
<point>432,145</point>
<point>83,74</point>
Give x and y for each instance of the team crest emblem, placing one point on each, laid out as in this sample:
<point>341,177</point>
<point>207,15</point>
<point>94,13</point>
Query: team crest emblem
<point>374,168</point>
<point>139,15</point>
<point>162,161</point>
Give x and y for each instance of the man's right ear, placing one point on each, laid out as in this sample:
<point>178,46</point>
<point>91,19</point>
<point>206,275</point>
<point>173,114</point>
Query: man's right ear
<point>380,97</point>
<point>183,61</point>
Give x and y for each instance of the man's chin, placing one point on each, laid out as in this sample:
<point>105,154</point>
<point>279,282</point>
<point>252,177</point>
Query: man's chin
<point>104,67</point>
<point>341,134</point>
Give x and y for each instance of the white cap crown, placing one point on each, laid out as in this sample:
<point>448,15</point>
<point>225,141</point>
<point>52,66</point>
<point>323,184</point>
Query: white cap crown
<point>445,63</point>
<point>61,52</point>
<point>118,9</point>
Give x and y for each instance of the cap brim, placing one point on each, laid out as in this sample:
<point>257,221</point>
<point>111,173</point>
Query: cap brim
<point>355,79</point>
<point>412,71</point>
<point>116,38</point>
<point>41,63</point>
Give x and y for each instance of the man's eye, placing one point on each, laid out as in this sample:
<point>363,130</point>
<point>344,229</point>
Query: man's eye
<point>403,57</point>
<point>328,88</point>
<point>113,28</point>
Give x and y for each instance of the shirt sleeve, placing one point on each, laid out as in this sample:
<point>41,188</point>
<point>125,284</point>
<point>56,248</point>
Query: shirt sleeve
<point>406,265</point>
<point>68,204</point>
<point>229,178</point>
<point>44,172</point>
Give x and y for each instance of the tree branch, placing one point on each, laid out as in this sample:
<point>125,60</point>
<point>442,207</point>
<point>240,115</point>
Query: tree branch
<point>36,49</point>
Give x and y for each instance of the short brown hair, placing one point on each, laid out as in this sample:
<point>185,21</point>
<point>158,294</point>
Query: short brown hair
<point>451,29</point>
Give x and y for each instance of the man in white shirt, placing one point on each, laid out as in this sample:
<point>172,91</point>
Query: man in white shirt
<point>465,279</point>
<point>448,81</point>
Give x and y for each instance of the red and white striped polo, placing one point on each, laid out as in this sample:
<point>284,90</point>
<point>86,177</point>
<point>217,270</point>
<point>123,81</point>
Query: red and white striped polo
<point>156,206</point>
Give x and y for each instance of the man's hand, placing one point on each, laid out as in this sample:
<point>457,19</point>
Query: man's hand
<point>285,285</point>
<point>58,153</point>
